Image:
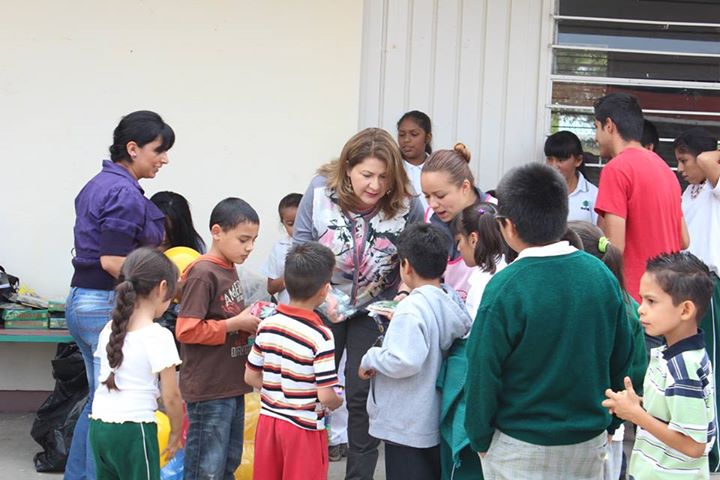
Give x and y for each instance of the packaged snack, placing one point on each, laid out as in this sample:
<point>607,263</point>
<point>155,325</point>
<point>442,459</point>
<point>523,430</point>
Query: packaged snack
<point>262,309</point>
<point>337,307</point>
<point>386,308</point>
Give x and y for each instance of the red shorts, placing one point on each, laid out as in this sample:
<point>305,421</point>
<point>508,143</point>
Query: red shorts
<point>284,451</point>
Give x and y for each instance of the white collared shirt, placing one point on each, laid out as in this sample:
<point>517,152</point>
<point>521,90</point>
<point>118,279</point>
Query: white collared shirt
<point>414,172</point>
<point>581,201</point>
<point>701,207</point>
<point>562,247</point>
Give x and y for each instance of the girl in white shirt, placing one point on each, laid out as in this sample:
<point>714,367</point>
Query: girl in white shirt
<point>482,247</point>
<point>415,139</point>
<point>699,163</point>
<point>133,351</point>
<point>564,152</point>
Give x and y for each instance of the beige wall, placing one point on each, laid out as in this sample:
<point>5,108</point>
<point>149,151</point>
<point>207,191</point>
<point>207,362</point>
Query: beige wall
<point>259,94</point>
<point>478,68</point>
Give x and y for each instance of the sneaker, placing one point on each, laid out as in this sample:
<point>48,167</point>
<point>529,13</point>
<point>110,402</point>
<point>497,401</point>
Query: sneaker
<point>337,452</point>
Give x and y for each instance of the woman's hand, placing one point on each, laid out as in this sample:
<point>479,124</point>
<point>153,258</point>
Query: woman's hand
<point>112,264</point>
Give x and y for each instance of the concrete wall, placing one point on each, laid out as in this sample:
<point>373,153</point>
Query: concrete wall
<point>258,93</point>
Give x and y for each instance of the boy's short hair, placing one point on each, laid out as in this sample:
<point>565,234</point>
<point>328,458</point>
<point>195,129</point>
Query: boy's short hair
<point>308,267</point>
<point>231,212</point>
<point>425,247</point>
<point>683,276</point>
<point>563,145</point>
<point>649,135</point>
<point>535,198</point>
<point>695,141</point>
<point>625,112</point>
<point>288,201</point>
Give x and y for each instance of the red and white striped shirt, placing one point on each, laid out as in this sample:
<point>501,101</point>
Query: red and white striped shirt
<point>296,354</point>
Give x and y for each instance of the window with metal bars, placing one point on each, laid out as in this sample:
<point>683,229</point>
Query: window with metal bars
<point>666,53</point>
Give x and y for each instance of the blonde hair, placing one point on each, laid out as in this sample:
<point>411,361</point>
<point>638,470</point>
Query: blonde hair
<point>376,143</point>
<point>454,162</point>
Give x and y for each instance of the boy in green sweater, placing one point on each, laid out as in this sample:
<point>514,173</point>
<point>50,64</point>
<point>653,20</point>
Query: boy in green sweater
<point>551,335</point>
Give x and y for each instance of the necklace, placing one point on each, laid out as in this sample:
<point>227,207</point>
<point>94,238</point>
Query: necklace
<point>695,190</point>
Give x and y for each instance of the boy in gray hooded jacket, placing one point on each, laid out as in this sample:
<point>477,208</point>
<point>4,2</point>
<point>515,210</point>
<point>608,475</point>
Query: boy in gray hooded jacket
<point>404,405</point>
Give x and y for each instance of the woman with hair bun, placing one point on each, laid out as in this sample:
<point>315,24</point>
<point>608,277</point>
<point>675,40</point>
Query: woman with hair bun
<point>112,218</point>
<point>449,187</point>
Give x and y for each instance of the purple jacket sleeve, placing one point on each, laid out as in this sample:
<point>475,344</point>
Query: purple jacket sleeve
<point>121,221</point>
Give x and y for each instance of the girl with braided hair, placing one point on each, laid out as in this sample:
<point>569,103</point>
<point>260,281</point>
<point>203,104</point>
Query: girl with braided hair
<point>133,351</point>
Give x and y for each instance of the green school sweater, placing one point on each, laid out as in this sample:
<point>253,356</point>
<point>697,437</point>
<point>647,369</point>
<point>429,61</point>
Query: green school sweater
<point>551,334</point>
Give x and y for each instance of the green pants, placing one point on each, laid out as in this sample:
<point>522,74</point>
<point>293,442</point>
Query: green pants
<point>127,451</point>
<point>711,328</point>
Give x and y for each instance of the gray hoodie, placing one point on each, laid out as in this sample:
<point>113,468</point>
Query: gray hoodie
<point>403,404</point>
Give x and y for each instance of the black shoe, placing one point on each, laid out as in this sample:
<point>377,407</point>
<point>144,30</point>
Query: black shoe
<point>337,452</point>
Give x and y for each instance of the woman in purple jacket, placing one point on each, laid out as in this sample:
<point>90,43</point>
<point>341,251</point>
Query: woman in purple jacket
<point>112,218</point>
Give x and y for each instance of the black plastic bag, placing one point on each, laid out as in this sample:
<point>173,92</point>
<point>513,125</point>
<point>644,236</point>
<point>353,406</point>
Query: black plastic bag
<point>9,284</point>
<point>55,420</point>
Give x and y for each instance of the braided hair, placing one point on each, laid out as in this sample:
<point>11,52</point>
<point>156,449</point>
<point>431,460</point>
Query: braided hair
<point>143,270</point>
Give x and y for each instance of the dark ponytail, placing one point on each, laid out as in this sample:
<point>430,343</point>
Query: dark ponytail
<point>596,244</point>
<point>143,270</point>
<point>480,219</point>
<point>422,121</point>
<point>141,127</point>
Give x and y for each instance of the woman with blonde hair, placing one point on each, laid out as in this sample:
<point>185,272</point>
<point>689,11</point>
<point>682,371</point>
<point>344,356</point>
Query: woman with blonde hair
<point>357,206</point>
<point>449,187</point>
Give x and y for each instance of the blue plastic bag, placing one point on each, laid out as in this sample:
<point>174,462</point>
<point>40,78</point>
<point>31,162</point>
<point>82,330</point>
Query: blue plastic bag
<point>173,470</point>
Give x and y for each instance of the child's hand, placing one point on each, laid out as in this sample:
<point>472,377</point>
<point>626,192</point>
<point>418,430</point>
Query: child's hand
<point>243,321</point>
<point>329,399</point>
<point>403,292</point>
<point>366,374</point>
<point>174,444</point>
<point>625,404</point>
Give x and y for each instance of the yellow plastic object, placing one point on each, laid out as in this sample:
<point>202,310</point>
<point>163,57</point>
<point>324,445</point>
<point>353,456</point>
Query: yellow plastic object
<point>163,429</point>
<point>252,413</point>
<point>182,256</point>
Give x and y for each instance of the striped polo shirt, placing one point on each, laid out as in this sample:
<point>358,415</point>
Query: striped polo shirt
<point>296,354</point>
<point>679,391</point>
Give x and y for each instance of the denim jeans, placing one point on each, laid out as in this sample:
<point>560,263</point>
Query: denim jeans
<point>215,438</point>
<point>87,311</point>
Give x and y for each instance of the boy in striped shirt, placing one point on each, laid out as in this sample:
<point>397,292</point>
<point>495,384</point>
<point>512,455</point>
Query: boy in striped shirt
<point>292,362</point>
<point>677,425</point>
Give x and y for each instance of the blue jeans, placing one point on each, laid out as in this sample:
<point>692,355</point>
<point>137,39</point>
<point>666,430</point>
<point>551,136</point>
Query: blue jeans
<point>215,438</point>
<point>87,312</point>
